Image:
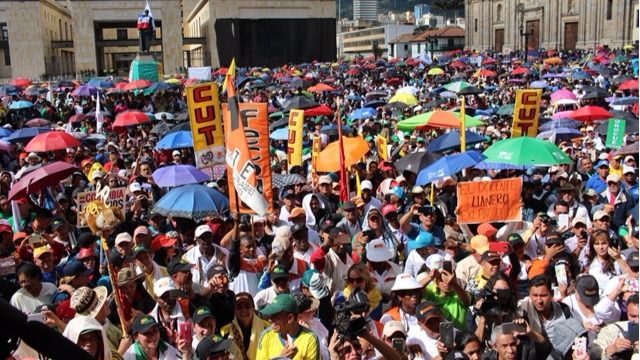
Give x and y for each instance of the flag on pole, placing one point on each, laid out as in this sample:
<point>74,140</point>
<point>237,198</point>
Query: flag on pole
<point>99,114</point>
<point>230,72</point>
<point>238,157</point>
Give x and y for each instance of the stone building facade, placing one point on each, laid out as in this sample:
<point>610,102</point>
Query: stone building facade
<point>500,25</point>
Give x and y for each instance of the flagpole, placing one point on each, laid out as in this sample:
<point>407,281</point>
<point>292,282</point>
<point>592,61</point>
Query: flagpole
<point>344,179</point>
<point>463,129</point>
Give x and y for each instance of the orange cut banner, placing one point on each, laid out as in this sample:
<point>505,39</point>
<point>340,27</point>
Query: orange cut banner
<point>495,200</point>
<point>256,128</point>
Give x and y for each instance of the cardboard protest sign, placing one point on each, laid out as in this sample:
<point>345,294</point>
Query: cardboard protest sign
<point>495,200</point>
<point>117,198</point>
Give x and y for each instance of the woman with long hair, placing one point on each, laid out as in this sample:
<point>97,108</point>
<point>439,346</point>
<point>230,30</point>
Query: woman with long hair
<point>245,329</point>
<point>604,261</point>
<point>359,278</point>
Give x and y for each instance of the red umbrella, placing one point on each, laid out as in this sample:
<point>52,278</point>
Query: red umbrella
<point>21,82</point>
<point>130,118</point>
<point>322,110</point>
<point>51,141</point>
<point>77,118</point>
<point>121,85</point>
<point>38,179</point>
<point>631,84</point>
<point>487,72</point>
<point>458,64</point>
<point>321,87</point>
<point>521,70</point>
<point>138,84</point>
<point>38,122</point>
<point>590,113</point>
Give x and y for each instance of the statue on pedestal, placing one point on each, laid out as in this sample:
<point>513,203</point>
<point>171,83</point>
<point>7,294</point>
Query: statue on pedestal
<point>146,29</point>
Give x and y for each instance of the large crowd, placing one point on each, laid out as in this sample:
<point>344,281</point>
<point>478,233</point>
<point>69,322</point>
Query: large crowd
<point>390,273</point>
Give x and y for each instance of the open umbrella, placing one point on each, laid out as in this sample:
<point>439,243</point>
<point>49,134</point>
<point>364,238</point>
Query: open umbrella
<point>178,175</point>
<point>355,148</point>
<point>320,87</point>
<point>560,123</point>
<point>433,119</point>
<point>282,181</point>
<point>278,123</point>
<point>631,84</point>
<point>363,113</point>
<point>630,127</point>
<point>404,97</point>
<point>435,71</point>
<point>322,110</point>
<point>280,134</point>
<point>161,128</point>
<point>374,104</point>
<point>506,109</point>
<point>416,161</point>
<point>5,146</point>
<point>85,90</point>
<point>299,102</point>
<point>397,106</point>
<point>539,84</point>
<point>176,140</point>
<point>20,104</point>
<point>77,118</point>
<point>192,201</point>
<point>625,115</point>
<point>51,141</point>
<point>131,118</point>
<point>48,175</point>
<point>38,122</point>
<point>24,134</point>
<point>526,151</point>
<point>591,113</point>
<point>168,116</point>
<point>448,166</point>
<point>628,149</point>
<point>470,90</point>
<point>332,130</point>
<point>559,133</point>
<point>562,94</point>
<point>451,140</point>
<point>457,86</point>
<point>626,101</point>
<point>137,84</point>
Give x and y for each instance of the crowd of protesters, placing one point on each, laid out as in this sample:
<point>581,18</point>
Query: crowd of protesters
<point>414,282</point>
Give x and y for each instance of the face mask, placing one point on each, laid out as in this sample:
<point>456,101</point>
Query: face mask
<point>503,296</point>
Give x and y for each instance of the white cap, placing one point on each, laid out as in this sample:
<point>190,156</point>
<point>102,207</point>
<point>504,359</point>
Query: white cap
<point>406,282</point>
<point>554,169</point>
<point>377,251</point>
<point>629,157</point>
<point>589,128</point>
<point>163,285</point>
<point>366,185</point>
<point>97,174</point>
<point>435,261</point>
<point>123,237</point>
<point>201,230</point>
<point>135,186</point>
<point>603,156</point>
<point>400,179</point>
<point>325,179</point>
<point>627,169</point>
<point>175,152</point>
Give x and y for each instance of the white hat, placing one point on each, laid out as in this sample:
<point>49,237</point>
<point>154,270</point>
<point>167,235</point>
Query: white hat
<point>435,261</point>
<point>325,179</point>
<point>33,155</point>
<point>406,282</point>
<point>629,157</point>
<point>366,185</point>
<point>123,237</point>
<point>400,179</point>
<point>163,285</point>
<point>135,186</point>
<point>392,327</point>
<point>627,169</point>
<point>97,174</point>
<point>579,220</point>
<point>589,128</point>
<point>554,169</point>
<point>200,230</point>
<point>377,251</point>
<point>281,240</point>
<point>175,152</point>
<point>258,219</point>
<point>603,156</point>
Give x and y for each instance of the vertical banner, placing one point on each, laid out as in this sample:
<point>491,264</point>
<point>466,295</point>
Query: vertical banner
<point>294,142</point>
<point>526,112</point>
<point>256,129</point>
<point>206,124</point>
<point>383,149</point>
<point>316,146</point>
<point>615,133</point>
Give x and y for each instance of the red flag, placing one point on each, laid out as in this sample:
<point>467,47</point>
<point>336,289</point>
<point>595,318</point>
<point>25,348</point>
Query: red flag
<point>344,178</point>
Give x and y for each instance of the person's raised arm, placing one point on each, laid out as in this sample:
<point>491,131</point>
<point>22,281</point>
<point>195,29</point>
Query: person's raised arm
<point>405,220</point>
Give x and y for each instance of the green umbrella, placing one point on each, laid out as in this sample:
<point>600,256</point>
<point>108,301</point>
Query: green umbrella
<point>276,115</point>
<point>457,86</point>
<point>506,109</point>
<point>470,121</point>
<point>413,122</point>
<point>525,151</point>
<point>432,119</point>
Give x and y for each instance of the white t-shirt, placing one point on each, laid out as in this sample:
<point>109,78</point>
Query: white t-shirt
<point>595,269</point>
<point>27,303</point>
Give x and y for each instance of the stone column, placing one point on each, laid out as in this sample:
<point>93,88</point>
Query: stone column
<point>26,43</point>
<point>171,38</point>
<point>84,39</point>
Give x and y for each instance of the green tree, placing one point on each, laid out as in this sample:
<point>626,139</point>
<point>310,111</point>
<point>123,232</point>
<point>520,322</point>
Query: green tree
<point>449,7</point>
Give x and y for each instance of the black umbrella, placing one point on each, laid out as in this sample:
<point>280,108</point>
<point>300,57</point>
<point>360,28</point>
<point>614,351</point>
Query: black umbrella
<point>161,128</point>
<point>595,92</point>
<point>279,123</point>
<point>181,116</point>
<point>435,103</point>
<point>621,78</point>
<point>299,102</point>
<point>624,115</point>
<point>282,181</point>
<point>631,126</point>
<point>470,90</point>
<point>185,126</point>
<point>416,161</point>
<point>397,105</point>
<point>627,150</point>
<point>299,83</point>
<point>375,104</point>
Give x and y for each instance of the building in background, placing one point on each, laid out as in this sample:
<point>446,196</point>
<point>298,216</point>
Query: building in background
<point>428,44</point>
<point>505,25</point>
<point>360,42</point>
<point>365,10</point>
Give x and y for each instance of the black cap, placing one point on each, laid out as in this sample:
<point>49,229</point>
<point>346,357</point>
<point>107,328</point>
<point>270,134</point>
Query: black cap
<point>139,249</point>
<point>516,239</point>
<point>143,323</point>
<point>298,228</point>
<point>427,309</point>
<point>554,239</point>
<point>456,355</point>
<point>75,268</point>
<point>216,270</point>
<point>587,288</point>
<point>632,259</point>
<point>45,213</point>
<point>349,205</point>
<point>87,239</point>
<point>427,209</point>
<point>177,264</point>
<point>278,273</point>
<point>489,255</point>
<point>57,222</point>
<point>202,313</point>
<point>212,345</point>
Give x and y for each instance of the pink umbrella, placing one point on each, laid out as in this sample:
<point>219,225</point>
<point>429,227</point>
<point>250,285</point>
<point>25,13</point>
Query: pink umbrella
<point>562,94</point>
<point>562,115</point>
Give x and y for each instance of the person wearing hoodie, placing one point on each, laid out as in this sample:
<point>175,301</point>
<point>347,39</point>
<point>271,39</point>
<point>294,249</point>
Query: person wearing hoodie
<point>89,335</point>
<point>374,227</point>
<point>314,210</point>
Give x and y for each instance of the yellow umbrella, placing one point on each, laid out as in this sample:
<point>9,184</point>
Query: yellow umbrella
<point>628,47</point>
<point>435,71</point>
<point>405,98</point>
<point>173,81</point>
<point>355,148</point>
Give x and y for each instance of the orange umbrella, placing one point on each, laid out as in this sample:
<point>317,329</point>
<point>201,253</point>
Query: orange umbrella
<point>321,87</point>
<point>355,148</point>
<point>553,61</point>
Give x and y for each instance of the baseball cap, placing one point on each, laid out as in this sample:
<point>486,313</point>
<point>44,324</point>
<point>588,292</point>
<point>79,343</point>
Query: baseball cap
<point>177,264</point>
<point>628,169</point>
<point>389,208</point>
<point>489,255</point>
<point>325,179</point>
<point>600,214</point>
<point>578,220</point>
<point>456,355</point>
<point>5,228</point>
<point>392,327</point>
<point>349,205</point>
<point>298,229</point>
<point>138,249</point>
<point>202,313</point>
<point>75,268</point>
<point>587,288</point>
<point>123,237</point>
<point>377,251</point>
<point>295,212</point>
<point>629,157</point>
<point>216,270</point>
<point>613,178</point>
<point>85,253</point>
<point>632,259</point>
<point>135,186</point>
<point>201,230</point>
<point>164,285</point>
<point>316,282</point>
<point>212,345</point>
<point>590,192</point>
<point>282,303</point>
<point>366,185</point>
<point>176,153</point>
<point>141,230</point>
<point>278,273</point>
<point>417,190</point>
<point>427,310</point>
<point>37,252</point>
<point>515,239</point>
<point>143,323</point>
<point>479,244</point>
<point>602,163</point>
<point>487,230</point>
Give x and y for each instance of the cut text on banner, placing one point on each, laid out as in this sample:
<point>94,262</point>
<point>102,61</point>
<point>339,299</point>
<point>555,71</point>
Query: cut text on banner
<point>526,112</point>
<point>206,124</point>
<point>294,142</point>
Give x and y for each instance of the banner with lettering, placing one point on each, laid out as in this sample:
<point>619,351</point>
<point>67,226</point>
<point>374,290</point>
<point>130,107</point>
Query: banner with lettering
<point>256,128</point>
<point>206,124</point>
<point>316,146</point>
<point>526,112</point>
<point>294,142</point>
<point>383,149</point>
<point>117,198</point>
<point>615,133</point>
<point>494,200</point>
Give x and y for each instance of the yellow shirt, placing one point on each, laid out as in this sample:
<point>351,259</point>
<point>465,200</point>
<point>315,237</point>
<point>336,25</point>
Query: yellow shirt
<point>271,345</point>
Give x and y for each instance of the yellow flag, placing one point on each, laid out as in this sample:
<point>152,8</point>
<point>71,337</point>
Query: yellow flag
<point>358,187</point>
<point>383,152</point>
<point>230,72</point>
<point>294,143</point>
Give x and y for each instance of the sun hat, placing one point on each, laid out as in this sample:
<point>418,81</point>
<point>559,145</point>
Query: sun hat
<point>405,282</point>
<point>377,251</point>
<point>87,301</point>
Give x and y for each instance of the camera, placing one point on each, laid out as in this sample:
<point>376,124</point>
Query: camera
<point>348,327</point>
<point>583,234</point>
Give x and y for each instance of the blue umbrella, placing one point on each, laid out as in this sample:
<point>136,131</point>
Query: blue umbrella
<point>539,84</point>
<point>4,132</point>
<point>447,166</point>
<point>177,175</point>
<point>580,75</point>
<point>280,134</point>
<point>486,165</point>
<point>558,133</point>
<point>332,129</point>
<point>24,134</point>
<point>101,83</point>
<point>362,113</point>
<point>155,87</point>
<point>85,90</point>
<point>20,104</point>
<point>451,140</point>
<point>7,89</point>
<point>629,100</point>
<point>560,123</point>
<point>192,202</point>
<point>176,140</point>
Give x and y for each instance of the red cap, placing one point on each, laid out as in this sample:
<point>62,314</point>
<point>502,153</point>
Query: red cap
<point>85,253</point>
<point>162,241</point>
<point>6,228</point>
<point>389,208</point>
<point>487,230</point>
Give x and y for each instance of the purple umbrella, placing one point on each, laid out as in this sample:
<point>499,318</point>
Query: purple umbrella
<point>177,175</point>
<point>85,90</point>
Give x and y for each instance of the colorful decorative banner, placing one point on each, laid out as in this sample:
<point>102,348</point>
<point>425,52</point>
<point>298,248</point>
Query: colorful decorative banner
<point>294,142</point>
<point>316,146</point>
<point>206,124</point>
<point>117,197</point>
<point>494,200</point>
<point>615,133</point>
<point>526,112</point>
<point>383,149</point>
<point>254,116</point>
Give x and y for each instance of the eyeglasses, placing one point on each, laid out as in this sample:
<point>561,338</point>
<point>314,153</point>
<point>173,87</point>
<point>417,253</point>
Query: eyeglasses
<point>348,349</point>
<point>355,280</point>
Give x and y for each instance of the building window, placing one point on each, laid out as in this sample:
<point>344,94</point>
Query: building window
<point>499,12</point>
<point>4,32</point>
<point>609,9</point>
<point>121,34</point>
<point>475,25</point>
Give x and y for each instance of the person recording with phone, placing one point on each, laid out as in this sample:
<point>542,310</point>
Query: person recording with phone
<point>618,340</point>
<point>517,341</point>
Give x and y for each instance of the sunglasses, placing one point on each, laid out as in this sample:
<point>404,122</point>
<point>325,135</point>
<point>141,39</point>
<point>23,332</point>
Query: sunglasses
<point>374,218</point>
<point>355,280</point>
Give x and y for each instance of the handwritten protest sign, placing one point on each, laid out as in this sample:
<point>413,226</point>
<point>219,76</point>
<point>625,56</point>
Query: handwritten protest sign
<point>495,200</point>
<point>117,198</point>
